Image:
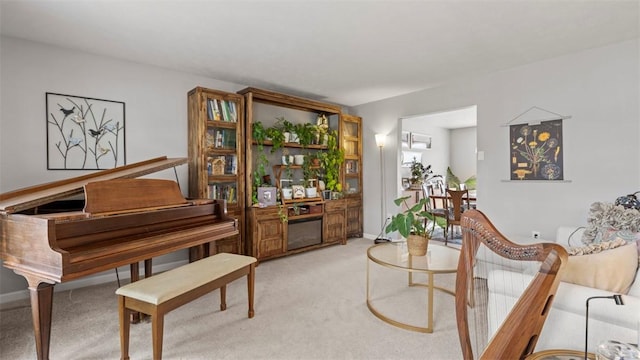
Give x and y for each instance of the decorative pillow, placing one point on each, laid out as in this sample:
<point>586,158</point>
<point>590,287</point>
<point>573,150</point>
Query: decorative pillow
<point>612,270</point>
<point>606,218</point>
<point>596,248</point>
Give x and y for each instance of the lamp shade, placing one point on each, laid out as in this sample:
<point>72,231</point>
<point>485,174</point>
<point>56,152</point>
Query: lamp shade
<point>380,139</point>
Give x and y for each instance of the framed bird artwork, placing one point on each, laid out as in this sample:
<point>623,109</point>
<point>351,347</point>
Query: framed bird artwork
<point>84,133</point>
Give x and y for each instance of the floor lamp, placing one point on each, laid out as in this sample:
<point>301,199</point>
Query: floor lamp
<point>617,298</point>
<point>380,139</point>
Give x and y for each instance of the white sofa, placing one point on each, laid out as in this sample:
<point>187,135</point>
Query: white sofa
<point>565,325</point>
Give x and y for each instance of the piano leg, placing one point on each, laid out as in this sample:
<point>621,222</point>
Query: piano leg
<point>41,295</point>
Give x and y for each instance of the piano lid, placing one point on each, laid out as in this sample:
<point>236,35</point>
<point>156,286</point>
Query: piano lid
<point>30,197</point>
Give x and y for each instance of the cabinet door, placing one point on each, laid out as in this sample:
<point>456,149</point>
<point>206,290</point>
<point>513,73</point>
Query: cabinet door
<point>351,132</point>
<point>270,237</point>
<point>335,222</point>
<point>354,218</point>
<point>222,164</point>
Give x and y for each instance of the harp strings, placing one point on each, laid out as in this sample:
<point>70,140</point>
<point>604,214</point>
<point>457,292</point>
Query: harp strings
<point>487,312</point>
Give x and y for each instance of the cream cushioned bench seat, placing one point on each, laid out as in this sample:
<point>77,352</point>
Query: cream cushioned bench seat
<point>159,294</point>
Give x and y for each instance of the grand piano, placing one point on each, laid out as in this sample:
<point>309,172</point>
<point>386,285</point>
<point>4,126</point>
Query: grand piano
<point>125,220</point>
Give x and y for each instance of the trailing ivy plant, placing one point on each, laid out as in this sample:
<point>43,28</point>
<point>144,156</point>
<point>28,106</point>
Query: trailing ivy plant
<point>283,213</point>
<point>331,161</point>
<point>277,138</point>
<point>308,171</point>
<point>259,135</point>
<point>306,133</point>
<point>284,125</point>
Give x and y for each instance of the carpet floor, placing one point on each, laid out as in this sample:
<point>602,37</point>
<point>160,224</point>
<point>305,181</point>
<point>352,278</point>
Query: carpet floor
<point>308,306</point>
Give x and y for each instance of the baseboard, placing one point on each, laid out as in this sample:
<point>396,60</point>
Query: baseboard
<point>123,272</point>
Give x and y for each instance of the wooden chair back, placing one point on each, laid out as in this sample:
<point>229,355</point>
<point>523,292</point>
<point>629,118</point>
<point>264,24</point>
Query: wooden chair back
<point>457,199</point>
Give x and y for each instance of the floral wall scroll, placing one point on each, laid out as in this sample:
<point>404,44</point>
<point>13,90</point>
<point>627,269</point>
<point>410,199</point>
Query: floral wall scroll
<point>84,133</point>
<point>536,151</point>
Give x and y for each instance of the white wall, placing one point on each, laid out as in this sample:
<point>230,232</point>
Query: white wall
<point>463,152</point>
<point>156,113</point>
<point>599,88</point>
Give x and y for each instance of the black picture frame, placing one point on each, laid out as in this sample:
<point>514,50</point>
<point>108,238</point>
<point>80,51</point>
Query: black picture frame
<point>84,133</point>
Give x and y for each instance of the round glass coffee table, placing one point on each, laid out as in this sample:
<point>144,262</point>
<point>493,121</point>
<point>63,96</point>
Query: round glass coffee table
<point>559,354</point>
<point>440,259</point>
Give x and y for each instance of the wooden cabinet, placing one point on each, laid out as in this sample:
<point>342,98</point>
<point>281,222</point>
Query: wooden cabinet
<point>216,156</point>
<point>270,237</point>
<point>223,159</point>
<point>266,107</point>
<point>267,226</point>
<point>351,142</point>
<point>334,222</point>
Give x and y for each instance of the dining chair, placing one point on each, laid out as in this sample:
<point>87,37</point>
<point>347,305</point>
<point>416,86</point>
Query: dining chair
<point>431,206</point>
<point>458,202</point>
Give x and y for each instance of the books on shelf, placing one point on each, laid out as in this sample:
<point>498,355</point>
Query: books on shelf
<point>221,138</point>
<point>225,191</point>
<point>222,110</point>
<point>229,165</point>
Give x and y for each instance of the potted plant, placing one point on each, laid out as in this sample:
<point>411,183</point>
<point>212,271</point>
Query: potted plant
<point>453,182</point>
<point>277,138</point>
<point>410,225</point>
<point>419,172</point>
<point>287,158</point>
<point>331,161</point>
<point>309,174</point>
<point>287,129</point>
<point>285,184</point>
<point>259,135</point>
<point>305,133</point>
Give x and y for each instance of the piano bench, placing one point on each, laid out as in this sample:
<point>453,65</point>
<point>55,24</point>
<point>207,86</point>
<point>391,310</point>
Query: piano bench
<point>161,293</point>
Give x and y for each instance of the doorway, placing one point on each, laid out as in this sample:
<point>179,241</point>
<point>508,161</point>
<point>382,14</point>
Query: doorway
<point>443,139</point>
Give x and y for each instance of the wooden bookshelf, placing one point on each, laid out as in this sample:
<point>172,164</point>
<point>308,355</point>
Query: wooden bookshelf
<point>216,157</point>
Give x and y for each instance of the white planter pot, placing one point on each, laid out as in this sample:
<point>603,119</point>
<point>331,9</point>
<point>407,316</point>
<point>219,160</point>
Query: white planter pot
<point>287,136</point>
<point>311,192</point>
<point>298,159</point>
<point>287,159</point>
<point>287,193</point>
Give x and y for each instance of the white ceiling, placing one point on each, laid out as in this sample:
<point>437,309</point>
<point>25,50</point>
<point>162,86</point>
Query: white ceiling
<point>348,52</point>
<point>452,119</point>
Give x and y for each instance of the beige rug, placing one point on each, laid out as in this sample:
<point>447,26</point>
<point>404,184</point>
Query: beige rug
<point>308,306</point>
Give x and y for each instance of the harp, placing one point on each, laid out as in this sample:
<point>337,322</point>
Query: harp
<point>485,249</point>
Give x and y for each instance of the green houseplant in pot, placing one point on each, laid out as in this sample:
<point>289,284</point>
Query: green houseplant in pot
<point>410,224</point>
<point>259,135</point>
<point>331,160</point>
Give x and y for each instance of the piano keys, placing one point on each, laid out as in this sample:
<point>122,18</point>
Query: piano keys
<point>124,221</point>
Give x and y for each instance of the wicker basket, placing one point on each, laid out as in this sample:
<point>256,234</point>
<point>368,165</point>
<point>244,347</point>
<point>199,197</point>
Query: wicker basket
<point>417,245</point>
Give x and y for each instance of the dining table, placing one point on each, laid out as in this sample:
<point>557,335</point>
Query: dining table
<point>471,196</point>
